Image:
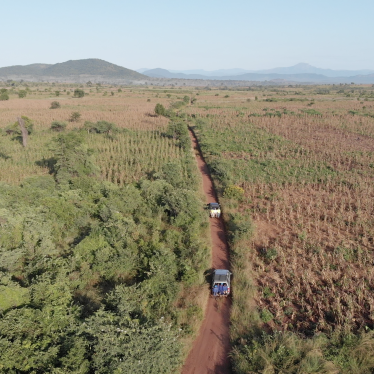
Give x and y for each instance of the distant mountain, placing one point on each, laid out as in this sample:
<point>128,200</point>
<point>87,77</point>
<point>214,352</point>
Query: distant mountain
<point>302,73</point>
<point>301,68</point>
<point>142,70</point>
<point>316,78</point>
<point>304,68</point>
<point>213,73</point>
<point>73,68</point>
<point>163,73</point>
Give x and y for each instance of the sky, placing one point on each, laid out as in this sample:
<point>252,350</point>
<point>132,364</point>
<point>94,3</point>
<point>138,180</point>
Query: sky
<point>193,34</point>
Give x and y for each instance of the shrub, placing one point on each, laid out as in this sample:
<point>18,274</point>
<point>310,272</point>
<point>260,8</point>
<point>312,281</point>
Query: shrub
<point>100,127</point>
<point>57,93</point>
<point>22,94</point>
<point>14,129</point>
<point>221,169</point>
<point>160,110</point>
<point>58,126</point>
<point>233,192</point>
<point>75,117</point>
<point>266,316</point>
<point>55,105</point>
<point>78,92</point>
<point>4,96</point>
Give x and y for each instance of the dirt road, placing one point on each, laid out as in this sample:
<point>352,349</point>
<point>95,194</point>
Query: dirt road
<point>209,353</point>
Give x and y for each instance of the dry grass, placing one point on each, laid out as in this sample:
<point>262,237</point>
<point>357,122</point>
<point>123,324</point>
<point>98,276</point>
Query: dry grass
<point>126,109</point>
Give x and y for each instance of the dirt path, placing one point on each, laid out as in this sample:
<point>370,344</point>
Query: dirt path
<point>209,353</point>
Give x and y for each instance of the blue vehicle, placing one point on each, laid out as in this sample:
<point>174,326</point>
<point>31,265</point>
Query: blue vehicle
<point>221,282</point>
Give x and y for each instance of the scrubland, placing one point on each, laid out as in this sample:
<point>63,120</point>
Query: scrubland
<point>103,238</point>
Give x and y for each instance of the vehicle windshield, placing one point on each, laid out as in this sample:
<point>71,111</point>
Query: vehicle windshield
<point>214,206</point>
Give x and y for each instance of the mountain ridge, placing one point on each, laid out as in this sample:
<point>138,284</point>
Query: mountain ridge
<point>300,68</point>
<point>303,73</point>
<point>90,66</point>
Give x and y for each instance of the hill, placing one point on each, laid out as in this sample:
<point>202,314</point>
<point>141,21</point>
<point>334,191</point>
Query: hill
<point>33,69</point>
<point>72,68</point>
<point>91,66</point>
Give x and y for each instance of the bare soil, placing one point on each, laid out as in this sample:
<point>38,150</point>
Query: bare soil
<point>210,351</point>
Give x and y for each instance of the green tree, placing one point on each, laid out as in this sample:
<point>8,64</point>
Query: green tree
<point>160,110</point>
<point>14,129</point>
<point>74,117</point>
<point>78,92</point>
<point>73,158</point>
<point>22,94</point>
<point>172,173</point>
<point>4,96</point>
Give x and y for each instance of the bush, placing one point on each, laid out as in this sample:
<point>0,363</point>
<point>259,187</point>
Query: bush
<point>266,316</point>
<point>55,105</point>
<point>22,94</point>
<point>101,127</point>
<point>233,192</point>
<point>221,170</point>
<point>57,93</point>
<point>160,110</point>
<point>78,92</point>
<point>74,117</point>
<point>14,129</point>
<point>4,96</point>
<point>58,126</point>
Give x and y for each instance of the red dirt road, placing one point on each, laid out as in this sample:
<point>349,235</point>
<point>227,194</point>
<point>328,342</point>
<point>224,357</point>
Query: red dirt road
<point>209,354</point>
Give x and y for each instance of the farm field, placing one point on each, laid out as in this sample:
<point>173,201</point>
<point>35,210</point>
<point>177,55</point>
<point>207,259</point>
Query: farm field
<point>294,168</point>
<point>92,215</point>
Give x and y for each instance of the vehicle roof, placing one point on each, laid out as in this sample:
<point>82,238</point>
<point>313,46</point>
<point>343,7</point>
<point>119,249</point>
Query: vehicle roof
<point>214,205</point>
<point>221,275</point>
<point>221,271</point>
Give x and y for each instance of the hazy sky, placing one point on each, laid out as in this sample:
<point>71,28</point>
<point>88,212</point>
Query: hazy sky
<point>190,34</point>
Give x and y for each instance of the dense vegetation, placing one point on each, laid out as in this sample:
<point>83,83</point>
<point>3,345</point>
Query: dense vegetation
<point>102,250</point>
<point>301,226</point>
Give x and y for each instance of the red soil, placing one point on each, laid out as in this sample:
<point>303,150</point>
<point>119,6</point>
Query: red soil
<point>209,353</point>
